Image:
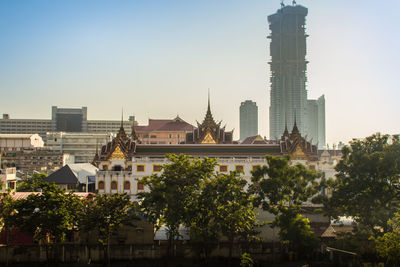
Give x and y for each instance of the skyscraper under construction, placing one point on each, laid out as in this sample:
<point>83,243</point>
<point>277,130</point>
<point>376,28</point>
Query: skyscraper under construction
<point>288,77</point>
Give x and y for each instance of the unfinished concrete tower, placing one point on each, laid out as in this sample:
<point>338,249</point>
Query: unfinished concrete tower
<point>288,70</point>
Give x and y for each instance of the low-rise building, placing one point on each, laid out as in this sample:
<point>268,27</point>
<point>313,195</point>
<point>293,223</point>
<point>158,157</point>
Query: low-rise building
<point>33,160</point>
<point>77,177</point>
<point>163,131</point>
<point>17,142</point>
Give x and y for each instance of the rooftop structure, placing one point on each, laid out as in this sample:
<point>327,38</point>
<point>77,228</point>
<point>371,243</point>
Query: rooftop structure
<point>209,131</point>
<point>163,131</point>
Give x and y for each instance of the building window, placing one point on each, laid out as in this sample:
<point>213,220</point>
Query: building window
<point>223,168</point>
<point>101,185</point>
<point>239,168</point>
<point>140,186</point>
<point>114,185</point>
<point>127,185</point>
<point>145,136</point>
<point>156,168</point>
<point>153,136</point>
<point>255,167</point>
<point>140,168</point>
<point>117,168</point>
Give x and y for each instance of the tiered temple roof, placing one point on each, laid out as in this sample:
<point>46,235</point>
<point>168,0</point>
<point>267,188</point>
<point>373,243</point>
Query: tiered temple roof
<point>209,131</point>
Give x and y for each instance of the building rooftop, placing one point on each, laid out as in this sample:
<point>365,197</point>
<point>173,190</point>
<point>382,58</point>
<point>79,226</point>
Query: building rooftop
<point>16,135</point>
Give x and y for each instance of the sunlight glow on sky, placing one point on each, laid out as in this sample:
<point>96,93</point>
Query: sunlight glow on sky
<point>157,59</point>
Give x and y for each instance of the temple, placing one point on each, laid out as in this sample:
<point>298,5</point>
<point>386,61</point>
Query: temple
<point>209,132</point>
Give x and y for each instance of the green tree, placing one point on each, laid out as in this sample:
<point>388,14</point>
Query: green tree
<point>31,183</point>
<point>388,245</point>
<point>367,184</point>
<point>105,214</point>
<point>282,189</point>
<point>172,192</point>
<point>51,214</point>
<point>223,206</point>
<point>7,216</point>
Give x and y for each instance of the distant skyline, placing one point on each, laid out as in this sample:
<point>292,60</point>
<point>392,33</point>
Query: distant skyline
<point>157,59</point>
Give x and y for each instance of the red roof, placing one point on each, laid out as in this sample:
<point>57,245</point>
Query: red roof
<point>176,124</point>
<point>24,195</point>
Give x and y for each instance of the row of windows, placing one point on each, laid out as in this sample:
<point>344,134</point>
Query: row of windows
<point>114,185</point>
<point>170,136</point>
<point>139,168</point>
<point>157,168</point>
<point>239,168</point>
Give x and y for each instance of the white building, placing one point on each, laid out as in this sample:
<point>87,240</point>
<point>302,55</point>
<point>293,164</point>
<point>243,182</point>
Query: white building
<point>81,147</point>
<point>18,142</point>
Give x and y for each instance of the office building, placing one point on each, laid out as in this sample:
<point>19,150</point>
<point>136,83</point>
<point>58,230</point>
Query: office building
<point>248,119</point>
<point>81,147</point>
<point>62,120</point>
<point>288,66</point>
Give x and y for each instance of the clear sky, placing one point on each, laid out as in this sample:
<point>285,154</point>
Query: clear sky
<point>157,59</point>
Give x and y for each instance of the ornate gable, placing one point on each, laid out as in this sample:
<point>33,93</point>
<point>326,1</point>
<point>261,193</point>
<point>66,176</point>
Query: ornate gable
<point>117,154</point>
<point>297,146</point>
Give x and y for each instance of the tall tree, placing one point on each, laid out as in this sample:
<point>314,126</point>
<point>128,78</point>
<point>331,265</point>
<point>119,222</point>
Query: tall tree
<point>173,191</point>
<point>282,189</point>
<point>223,208</point>
<point>367,185</point>
<point>105,214</point>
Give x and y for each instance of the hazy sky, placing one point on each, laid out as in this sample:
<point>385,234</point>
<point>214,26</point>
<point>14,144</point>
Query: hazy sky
<point>157,59</point>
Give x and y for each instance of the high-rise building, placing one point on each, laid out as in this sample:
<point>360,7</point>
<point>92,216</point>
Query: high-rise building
<point>248,119</point>
<point>288,65</point>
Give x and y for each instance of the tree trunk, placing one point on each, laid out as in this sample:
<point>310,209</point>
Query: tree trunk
<point>7,242</point>
<point>107,251</point>
<point>231,239</point>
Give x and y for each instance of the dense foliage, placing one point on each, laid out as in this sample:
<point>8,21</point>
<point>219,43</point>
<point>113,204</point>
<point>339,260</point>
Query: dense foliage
<point>367,185</point>
<point>282,189</point>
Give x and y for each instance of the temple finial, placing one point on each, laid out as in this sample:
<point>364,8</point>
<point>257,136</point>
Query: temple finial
<point>122,118</point>
<point>295,129</point>
<point>208,108</point>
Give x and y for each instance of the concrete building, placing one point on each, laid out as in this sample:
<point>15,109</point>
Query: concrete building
<point>62,119</point>
<point>17,142</point>
<point>288,65</point>
<point>29,161</point>
<point>248,119</point>
<point>81,147</point>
